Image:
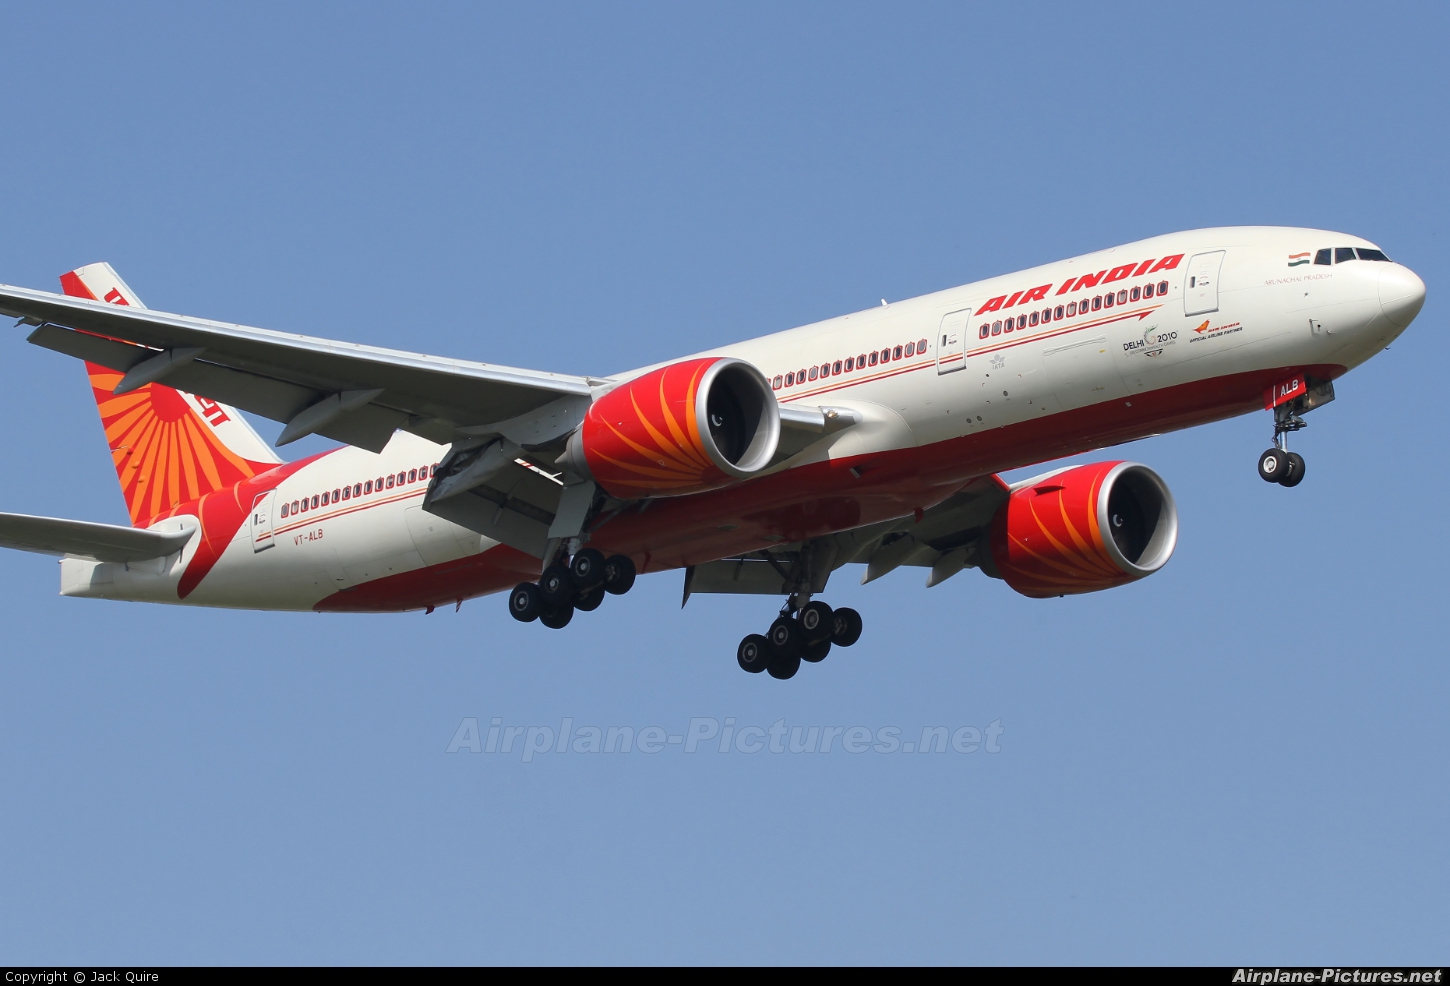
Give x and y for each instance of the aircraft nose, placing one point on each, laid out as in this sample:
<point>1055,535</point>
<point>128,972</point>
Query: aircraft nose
<point>1402,294</point>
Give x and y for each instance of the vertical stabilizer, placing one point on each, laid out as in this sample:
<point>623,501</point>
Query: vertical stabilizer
<point>168,446</point>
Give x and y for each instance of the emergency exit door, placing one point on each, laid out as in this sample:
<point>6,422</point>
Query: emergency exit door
<point>1200,289</point>
<point>951,341</point>
<point>262,521</point>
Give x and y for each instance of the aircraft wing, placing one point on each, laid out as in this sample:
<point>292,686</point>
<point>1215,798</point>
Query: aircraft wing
<point>348,392</point>
<point>946,539</point>
<point>82,539</point>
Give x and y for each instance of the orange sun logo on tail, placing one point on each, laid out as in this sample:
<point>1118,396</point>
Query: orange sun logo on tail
<point>164,453</point>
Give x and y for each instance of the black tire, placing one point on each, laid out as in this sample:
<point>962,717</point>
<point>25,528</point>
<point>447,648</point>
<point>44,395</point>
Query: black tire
<point>817,651</point>
<point>753,654</point>
<point>1294,473</point>
<point>847,628</point>
<point>784,667</point>
<point>556,586</point>
<point>588,602</point>
<point>785,638</point>
<point>1272,465</point>
<point>816,623</point>
<point>618,575</point>
<point>526,603</point>
<point>557,617</point>
<point>587,568</point>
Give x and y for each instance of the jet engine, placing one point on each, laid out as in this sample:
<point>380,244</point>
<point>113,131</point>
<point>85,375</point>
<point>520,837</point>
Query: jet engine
<point>685,428</point>
<point>1083,529</point>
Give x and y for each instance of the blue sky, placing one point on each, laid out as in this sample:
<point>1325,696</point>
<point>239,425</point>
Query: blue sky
<point>1239,760</point>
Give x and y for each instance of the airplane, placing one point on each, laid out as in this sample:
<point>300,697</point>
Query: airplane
<point>874,438</point>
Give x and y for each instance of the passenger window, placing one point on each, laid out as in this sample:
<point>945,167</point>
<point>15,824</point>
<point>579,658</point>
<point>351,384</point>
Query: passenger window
<point>336,495</point>
<point>983,330</point>
<point>1342,254</point>
<point>850,363</point>
<point>814,371</point>
<point>304,505</point>
<point>920,346</point>
<point>1033,319</point>
<point>378,484</point>
<point>1107,300</point>
<point>790,379</point>
<point>284,510</point>
<point>368,486</point>
<point>874,356</point>
<point>347,492</point>
<point>1097,302</point>
<point>825,370</point>
<point>390,480</point>
<point>402,478</point>
<point>1321,258</point>
<point>412,475</point>
<point>1021,321</point>
<point>1071,309</point>
<point>1134,295</point>
<point>860,361</point>
<point>314,501</point>
<point>776,383</point>
<point>324,499</point>
<point>996,328</point>
<point>294,506</point>
<point>357,490</point>
<point>1162,287</point>
<point>1365,254</point>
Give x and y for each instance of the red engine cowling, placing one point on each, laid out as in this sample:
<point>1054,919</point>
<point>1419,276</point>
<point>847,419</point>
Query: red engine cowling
<point>685,428</point>
<point>1083,529</point>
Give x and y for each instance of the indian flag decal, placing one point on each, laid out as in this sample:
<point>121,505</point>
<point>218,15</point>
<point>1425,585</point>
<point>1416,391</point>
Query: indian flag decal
<point>1295,259</point>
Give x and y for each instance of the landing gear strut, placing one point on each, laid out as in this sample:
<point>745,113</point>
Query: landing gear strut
<point>1278,464</point>
<point>563,588</point>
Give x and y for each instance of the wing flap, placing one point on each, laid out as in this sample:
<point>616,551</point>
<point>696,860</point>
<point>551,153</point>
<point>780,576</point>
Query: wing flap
<point>83,539</point>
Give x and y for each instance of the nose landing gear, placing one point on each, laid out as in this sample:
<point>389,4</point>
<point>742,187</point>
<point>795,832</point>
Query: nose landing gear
<point>1290,399</point>
<point>1278,464</point>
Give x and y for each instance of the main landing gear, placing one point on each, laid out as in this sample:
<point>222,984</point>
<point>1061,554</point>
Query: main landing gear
<point>806,635</point>
<point>1278,464</point>
<point>581,585</point>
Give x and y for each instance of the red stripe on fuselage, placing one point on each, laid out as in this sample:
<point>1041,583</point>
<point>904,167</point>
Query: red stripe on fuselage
<point>824,497</point>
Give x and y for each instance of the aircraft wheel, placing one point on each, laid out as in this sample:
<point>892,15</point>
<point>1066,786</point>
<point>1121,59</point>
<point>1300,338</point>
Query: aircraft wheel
<point>588,602</point>
<point>784,667</point>
<point>785,639</point>
<point>1293,470</point>
<point>556,586</point>
<point>753,654</point>
<point>817,651</point>
<point>1272,465</point>
<point>815,621</point>
<point>618,575</point>
<point>587,568</point>
<point>557,617</point>
<point>526,603</point>
<point>846,626</point>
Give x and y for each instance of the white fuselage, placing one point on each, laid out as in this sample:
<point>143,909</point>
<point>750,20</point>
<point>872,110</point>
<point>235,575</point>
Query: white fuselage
<point>1264,306</point>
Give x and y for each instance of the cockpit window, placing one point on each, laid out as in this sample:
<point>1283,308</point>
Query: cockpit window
<point>1372,255</point>
<point>1322,258</point>
<point>1341,254</point>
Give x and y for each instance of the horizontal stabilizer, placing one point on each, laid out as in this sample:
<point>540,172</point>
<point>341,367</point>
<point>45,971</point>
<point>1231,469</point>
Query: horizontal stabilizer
<point>82,539</point>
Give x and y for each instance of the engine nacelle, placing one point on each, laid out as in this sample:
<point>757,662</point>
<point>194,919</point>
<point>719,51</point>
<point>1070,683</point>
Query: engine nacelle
<point>685,428</point>
<point>1083,529</point>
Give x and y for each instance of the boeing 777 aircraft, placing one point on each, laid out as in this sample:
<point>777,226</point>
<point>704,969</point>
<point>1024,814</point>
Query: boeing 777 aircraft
<point>762,467</point>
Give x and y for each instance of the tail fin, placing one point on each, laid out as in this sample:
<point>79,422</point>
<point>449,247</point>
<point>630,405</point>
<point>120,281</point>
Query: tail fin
<point>169,446</point>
